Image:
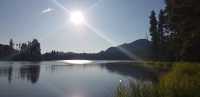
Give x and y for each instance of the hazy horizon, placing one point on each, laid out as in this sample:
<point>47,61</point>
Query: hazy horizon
<point>117,22</point>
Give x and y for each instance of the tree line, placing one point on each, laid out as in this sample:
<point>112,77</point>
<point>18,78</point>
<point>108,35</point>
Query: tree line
<point>175,31</point>
<point>27,51</point>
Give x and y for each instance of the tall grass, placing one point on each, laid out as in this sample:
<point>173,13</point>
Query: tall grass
<point>183,80</point>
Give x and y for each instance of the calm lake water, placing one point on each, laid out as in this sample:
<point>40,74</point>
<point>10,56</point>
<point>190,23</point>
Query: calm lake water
<point>68,78</point>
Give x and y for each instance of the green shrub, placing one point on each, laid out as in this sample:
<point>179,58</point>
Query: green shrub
<point>182,81</point>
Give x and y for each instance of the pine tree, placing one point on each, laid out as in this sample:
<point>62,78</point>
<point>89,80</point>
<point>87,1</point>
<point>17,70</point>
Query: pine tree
<point>11,44</point>
<point>155,36</point>
<point>161,24</point>
<point>35,50</point>
<point>184,16</point>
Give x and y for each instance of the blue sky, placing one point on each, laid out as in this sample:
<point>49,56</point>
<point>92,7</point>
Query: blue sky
<point>120,21</point>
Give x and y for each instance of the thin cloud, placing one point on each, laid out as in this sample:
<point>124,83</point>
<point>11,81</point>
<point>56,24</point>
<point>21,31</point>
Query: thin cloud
<point>47,10</point>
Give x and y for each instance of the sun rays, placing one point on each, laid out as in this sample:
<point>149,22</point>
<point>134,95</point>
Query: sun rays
<point>78,18</point>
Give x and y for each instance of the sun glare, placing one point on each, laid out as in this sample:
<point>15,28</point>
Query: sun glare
<point>77,17</point>
<point>78,61</point>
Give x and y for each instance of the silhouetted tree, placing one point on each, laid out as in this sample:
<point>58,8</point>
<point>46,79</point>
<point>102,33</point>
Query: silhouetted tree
<point>23,48</point>
<point>29,51</point>
<point>178,30</point>
<point>184,19</point>
<point>161,23</point>
<point>35,50</point>
<point>155,36</point>
<point>11,44</point>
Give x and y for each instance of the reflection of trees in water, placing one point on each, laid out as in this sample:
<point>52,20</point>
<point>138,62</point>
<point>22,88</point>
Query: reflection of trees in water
<point>30,73</point>
<point>7,72</point>
<point>129,69</point>
<point>10,69</point>
<point>27,72</point>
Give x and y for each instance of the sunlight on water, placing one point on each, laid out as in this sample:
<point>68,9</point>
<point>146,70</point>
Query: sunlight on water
<point>78,61</point>
<point>66,78</point>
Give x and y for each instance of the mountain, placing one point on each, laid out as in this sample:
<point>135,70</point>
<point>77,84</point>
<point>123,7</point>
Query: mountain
<point>138,49</point>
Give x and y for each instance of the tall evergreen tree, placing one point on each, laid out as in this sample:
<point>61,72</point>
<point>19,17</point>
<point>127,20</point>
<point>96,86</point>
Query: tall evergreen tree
<point>155,36</point>
<point>161,24</point>
<point>11,44</point>
<point>35,49</point>
<point>184,16</point>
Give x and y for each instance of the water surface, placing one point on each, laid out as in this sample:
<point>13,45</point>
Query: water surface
<point>68,78</point>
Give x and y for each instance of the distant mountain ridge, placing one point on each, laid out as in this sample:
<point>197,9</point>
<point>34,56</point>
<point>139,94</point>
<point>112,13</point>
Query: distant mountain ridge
<point>140,48</point>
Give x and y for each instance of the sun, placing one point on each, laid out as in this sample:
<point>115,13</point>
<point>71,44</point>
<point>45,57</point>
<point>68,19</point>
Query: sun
<point>77,17</point>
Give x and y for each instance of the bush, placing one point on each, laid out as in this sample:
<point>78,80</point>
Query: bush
<point>182,81</point>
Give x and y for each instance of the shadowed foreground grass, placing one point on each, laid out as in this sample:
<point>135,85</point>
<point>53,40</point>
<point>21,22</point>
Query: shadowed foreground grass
<point>183,80</point>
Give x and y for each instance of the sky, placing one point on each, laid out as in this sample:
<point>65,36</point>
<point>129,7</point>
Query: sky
<point>109,23</point>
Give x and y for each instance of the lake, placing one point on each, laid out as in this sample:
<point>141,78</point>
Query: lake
<point>69,78</point>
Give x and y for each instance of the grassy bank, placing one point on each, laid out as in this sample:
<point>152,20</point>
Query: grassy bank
<point>160,65</point>
<point>181,80</point>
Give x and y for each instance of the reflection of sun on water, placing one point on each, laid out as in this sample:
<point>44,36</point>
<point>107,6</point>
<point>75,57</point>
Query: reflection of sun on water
<point>78,61</point>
